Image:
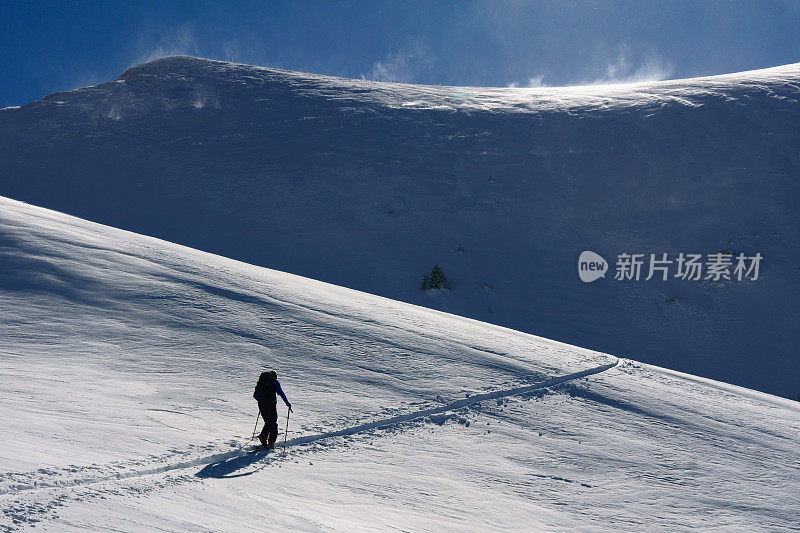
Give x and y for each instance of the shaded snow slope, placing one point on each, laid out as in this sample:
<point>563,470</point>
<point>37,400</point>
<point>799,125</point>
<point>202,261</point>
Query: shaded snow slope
<point>369,185</point>
<point>128,363</point>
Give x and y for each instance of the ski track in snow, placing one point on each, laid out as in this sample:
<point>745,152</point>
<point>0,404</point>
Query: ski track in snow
<point>209,461</point>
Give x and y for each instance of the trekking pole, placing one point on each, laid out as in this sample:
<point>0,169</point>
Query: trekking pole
<point>288,410</point>
<point>256,426</point>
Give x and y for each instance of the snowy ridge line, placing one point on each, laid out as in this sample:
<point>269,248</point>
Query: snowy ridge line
<point>378,424</point>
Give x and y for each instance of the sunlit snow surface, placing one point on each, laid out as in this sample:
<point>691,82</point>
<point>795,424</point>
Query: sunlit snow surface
<point>128,364</point>
<point>572,99</point>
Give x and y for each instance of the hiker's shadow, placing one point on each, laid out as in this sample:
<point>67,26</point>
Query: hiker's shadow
<point>228,468</point>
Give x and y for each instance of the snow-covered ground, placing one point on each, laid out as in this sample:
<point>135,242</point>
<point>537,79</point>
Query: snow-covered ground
<point>128,365</point>
<point>369,185</point>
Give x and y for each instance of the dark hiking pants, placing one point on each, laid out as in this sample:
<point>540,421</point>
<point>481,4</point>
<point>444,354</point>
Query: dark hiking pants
<point>270,414</point>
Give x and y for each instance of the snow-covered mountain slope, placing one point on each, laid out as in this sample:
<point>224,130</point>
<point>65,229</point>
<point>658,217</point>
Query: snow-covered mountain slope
<point>128,364</point>
<point>369,185</point>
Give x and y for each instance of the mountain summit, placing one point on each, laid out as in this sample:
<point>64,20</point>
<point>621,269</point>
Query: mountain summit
<point>369,185</point>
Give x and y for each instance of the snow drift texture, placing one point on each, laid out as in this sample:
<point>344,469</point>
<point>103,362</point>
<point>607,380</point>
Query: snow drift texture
<point>128,364</point>
<point>369,185</point>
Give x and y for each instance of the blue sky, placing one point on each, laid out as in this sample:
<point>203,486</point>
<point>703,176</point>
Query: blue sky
<point>49,46</point>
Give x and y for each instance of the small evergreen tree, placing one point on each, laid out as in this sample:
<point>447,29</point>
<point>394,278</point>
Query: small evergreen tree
<point>426,283</point>
<point>435,280</point>
<point>438,279</point>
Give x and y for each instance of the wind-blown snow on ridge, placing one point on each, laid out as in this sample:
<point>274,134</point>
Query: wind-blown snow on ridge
<point>128,366</point>
<point>689,91</point>
<point>369,185</point>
